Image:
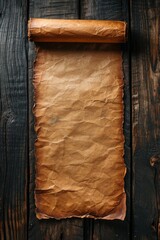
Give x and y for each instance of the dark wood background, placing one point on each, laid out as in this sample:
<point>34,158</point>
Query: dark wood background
<point>141,66</point>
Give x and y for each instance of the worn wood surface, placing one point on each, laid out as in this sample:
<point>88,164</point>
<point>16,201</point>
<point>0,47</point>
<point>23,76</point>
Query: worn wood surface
<point>14,127</point>
<point>145,16</point>
<point>141,73</point>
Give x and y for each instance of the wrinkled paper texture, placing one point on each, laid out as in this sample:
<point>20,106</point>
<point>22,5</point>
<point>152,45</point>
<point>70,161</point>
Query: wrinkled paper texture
<point>79,124</point>
<point>69,30</point>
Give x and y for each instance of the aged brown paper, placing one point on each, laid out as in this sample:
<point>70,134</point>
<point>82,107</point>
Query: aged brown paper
<point>79,124</point>
<point>62,30</point>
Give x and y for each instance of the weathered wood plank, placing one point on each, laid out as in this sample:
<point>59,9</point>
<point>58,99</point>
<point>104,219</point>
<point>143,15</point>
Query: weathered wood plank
<point>54,9</point>
<point>104,9</point>
<point>114,10</point>
<point>49,229</point>
<point>13,112</point>
<point>146,114</point>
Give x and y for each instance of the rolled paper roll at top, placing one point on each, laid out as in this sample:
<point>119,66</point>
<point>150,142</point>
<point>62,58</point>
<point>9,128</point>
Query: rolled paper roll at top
<point>62,30</point>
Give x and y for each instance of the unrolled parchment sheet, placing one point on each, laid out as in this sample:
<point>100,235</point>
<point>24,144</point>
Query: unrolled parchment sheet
<point>79,124</point>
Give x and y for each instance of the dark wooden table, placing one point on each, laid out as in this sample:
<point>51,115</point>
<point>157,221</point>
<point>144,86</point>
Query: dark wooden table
<point>141,65</point>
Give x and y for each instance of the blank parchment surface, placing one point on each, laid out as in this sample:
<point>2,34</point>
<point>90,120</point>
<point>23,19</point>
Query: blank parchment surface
<point>79,124</point>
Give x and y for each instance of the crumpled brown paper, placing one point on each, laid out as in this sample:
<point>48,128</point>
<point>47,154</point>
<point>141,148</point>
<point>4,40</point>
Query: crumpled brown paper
<point>67,30</point>
<point>79,124</point>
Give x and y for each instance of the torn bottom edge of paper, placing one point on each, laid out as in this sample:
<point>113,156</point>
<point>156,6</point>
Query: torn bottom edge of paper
<point>79,124</point>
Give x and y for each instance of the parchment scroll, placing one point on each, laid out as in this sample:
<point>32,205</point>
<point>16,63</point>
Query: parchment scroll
<point>79,119</point>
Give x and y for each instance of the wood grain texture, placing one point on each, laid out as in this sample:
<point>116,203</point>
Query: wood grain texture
<point>103,9</point>
<point>146,115</point>
<point>68,9</point>
<point>48,229</point>
<point>145,73</point>
<point>13,112</point>
<point>114,10</point>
